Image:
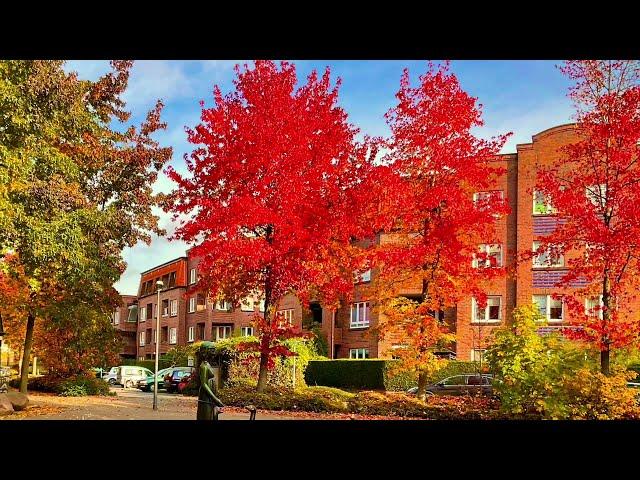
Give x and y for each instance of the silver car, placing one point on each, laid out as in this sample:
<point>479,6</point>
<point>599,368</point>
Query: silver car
<point>128,376</point>
<point>112,376</point>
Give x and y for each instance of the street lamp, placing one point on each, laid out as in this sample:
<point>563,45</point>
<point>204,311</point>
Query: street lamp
<point>159,284</point>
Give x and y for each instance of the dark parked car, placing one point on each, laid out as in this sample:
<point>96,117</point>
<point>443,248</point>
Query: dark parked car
<point>459,385</point>
<point>172,380</point>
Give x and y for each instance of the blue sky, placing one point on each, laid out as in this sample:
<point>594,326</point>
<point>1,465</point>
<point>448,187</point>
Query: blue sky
<point>523,97</point>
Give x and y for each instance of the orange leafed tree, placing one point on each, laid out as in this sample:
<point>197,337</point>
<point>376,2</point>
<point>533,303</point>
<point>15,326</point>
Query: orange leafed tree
<point>595,189</point>
<point>425,190</point>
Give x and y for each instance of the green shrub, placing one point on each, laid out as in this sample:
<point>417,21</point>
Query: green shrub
<point>151,364</point>
<point>67,387</point>
<point>376,374</point>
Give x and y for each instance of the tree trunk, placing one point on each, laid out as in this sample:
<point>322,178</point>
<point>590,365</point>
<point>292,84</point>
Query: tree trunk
<point>422,386</point>
<point>604,361</point>
<point>264,358</point>
<point>26,353</point>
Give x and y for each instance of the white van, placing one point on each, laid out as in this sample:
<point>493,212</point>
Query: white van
<point>128,376</point>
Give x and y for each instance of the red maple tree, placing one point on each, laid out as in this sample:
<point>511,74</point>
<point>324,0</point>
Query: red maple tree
<point>271,188</point>
<point>594,187</point>
<point>425,191</point>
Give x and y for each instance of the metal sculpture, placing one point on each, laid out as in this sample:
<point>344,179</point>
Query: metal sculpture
<point>209,404</point>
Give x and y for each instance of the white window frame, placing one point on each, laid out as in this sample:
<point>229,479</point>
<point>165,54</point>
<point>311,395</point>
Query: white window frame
<point>359,322</point>
<point>191,334</point>
<point>475,351</point>
<point>192,304</point>
<point>173,335</point>
<point>486,248</point>
<point>143,314</point>
<point>535,246</point>
<point>261,305</point>
<point>116,317</point>
<point>247,304</point>
<point>193,276</point>
<point>223,306</point>
<point>246,331</point>
<point>362,277</point>
<point>223,328</point>
<point>358,353</point>
<point>287,314</point>
<point>490,193</point>
<point>547,313</point>
<point>142,337</point>
<point>474,309</point>
<point>165,312</point>
<point>587,307</point>
<point>549,209</point>
<point>172,304</point>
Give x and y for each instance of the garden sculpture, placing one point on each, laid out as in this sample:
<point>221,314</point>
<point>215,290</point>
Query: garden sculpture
<point>209,404</point>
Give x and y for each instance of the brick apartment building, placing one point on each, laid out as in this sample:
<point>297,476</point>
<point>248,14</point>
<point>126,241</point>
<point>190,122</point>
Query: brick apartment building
<point>348,330</point>
<point>125,320</point>
<point>185,319</point>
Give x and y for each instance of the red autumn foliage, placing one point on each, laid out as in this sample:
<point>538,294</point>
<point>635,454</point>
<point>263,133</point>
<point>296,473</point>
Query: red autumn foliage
<point>273,188</point>
<point>594,188</point>
<point>425,193</point>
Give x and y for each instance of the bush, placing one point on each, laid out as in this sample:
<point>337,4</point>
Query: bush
<point>66,387</point>
<point>376,374</point>
<point>151,364</point>
<point>308,399</point>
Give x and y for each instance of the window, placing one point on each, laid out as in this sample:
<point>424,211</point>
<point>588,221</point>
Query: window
<point>246,331</point>
<point>483,200</point>
<point>172,280</point>
<point>545,258</point>
<point>192,276</point>
<point>149,311</point>
<point>133,314</point>
<point>116,318</point>
<point>593,306</point>
<point>165,334</point>
<point>597,194</point>
<point>201,331</point>
<point>358,353</point>
<point>362,277</point>
<point>173,336</point>
<point>541,204</point>
<point>149,337</point>
<point>153,336</point>
<point>192,304</point>
<point>477,354</point>
<point>359,315</point>
<point>165,308</point>
<point>549,307</point>
<point>222,332</point>
<point>141,335</point>
<point>174,308</point>
<point>489,314</point>
<point>261,305</point>
<point>191,335</point>
<point>457,380</point>
<point>143,314</point>
<point>247,304</point>
<point>224,306</point>
<point>490,255</point>
<point>288,315</point>
<point>201,303</point>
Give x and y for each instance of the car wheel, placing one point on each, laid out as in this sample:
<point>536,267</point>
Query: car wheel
<point>428,393</point>
<point>128,384</point>
<point>111,381</point>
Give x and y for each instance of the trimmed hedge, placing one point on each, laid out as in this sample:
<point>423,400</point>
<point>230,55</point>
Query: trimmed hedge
<point>78,386</point>
<point>375,374</point>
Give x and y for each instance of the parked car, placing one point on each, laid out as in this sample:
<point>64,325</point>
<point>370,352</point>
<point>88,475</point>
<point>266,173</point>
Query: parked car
<point>460,385</point>
<point>184,382</point>
<point>172,379</point>
<point>128,376</point>
<point>146,384</point>
<point>111,376</point>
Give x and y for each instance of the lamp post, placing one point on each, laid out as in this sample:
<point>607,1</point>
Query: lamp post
<point>159,284</point>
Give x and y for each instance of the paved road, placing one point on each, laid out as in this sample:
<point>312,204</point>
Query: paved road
<point>130,404</point>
